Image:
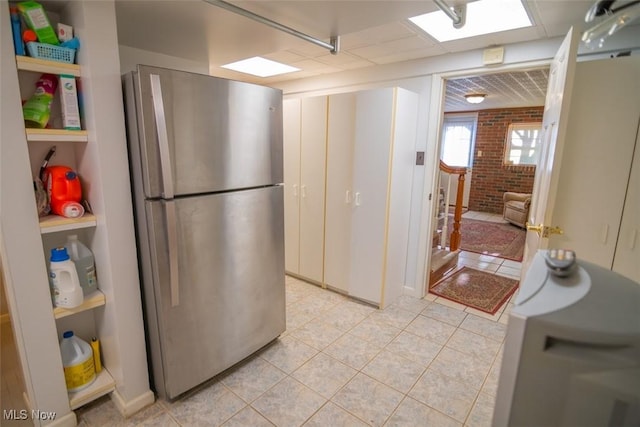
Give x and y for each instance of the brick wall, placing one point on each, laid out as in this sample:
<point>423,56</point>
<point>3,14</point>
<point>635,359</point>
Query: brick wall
<point>490,178</point>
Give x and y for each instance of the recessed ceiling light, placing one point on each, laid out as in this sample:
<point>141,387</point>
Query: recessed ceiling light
<point>260,67</point>
<point>483,17</point>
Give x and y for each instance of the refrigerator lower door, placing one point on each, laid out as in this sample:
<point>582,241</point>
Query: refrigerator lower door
<point>229,299</point>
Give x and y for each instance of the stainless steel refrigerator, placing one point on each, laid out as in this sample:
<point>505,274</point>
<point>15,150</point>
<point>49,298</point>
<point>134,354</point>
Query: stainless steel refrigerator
<point>205,158</point>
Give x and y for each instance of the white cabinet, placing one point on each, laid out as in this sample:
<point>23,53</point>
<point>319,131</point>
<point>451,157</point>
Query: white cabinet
<point>370,160</point>
<point>291,159</point>
<point>627,252</point>
<point>384,155</point>
<point>358,244</point>
<point>597,203</point>
<point>340,162</point>
<point>305,136</point>
<point>99,155</point>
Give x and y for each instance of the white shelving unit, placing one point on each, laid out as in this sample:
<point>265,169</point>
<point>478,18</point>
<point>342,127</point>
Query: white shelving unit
<point>91,301</point>
<point>57,135</point>
<point>114,312</point>
<point>55,223</point>
<point>104,382</point>
<point>102,385</point>
<point>27,63</point>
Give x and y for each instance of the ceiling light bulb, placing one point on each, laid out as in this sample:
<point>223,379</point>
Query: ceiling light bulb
<point>475,98</point>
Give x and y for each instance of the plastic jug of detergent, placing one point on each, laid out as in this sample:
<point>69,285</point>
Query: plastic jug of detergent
<point>77,360</point>
<point>85,265</point>
<point>63,277</point>
<point>64,190</point>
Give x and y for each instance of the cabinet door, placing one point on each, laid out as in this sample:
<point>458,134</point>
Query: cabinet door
<point>370,180</point>
<point>597,158</point>
<point>291,154</point>
<point>628,247</point>
<point>312,184</point>
<point>340,141</point>
<point>399,198</point>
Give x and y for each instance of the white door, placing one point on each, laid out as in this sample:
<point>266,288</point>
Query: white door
<point>340,142</point>
<point>313,150</point>
<point>291,153</point>
<point>554,127</point>
<point>374,112</point>
<point>628,249</point>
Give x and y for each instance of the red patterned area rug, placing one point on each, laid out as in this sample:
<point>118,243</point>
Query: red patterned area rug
<point>492,238</point>
<point>473,288</point>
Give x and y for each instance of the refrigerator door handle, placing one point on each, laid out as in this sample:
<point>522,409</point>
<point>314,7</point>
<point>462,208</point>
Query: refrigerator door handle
<point>163,137</point>
<point>172,237</point>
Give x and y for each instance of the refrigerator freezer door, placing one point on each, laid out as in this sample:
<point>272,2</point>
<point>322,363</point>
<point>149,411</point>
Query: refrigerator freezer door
<point>229,300</point>
<point>205,134</point>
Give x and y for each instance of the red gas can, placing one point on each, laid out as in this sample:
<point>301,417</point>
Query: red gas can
<point>63,186</point>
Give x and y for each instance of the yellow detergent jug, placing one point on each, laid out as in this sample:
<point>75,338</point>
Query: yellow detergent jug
<point>77,360</point>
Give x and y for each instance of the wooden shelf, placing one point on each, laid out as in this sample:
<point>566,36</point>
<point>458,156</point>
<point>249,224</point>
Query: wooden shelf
<point>55,223</point>
<point>27,63</point>
<point>102,385</point>
<point>57,135</point>
<point>93,300</point>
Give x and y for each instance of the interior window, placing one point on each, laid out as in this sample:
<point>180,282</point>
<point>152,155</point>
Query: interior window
<point>523,144</point>
<point>458,139</point>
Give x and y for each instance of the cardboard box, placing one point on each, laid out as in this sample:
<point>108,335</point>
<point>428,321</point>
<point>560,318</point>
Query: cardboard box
<point>69,102</point>
<point>65,32</point>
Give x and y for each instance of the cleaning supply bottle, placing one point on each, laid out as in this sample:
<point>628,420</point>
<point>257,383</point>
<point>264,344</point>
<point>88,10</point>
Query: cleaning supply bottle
<point>63,277</point>
<point>77,360</point>
<point>17,31</point>
<point>37,109</point>
<point>64,189</point>
<point>84,262</point>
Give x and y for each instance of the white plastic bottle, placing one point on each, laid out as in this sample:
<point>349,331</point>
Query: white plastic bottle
<point>77,360</point>
<point>85,265</point>
<point>63,278</point>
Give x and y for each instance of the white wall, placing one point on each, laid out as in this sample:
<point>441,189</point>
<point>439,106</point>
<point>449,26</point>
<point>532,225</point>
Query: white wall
<point>416,76</point>
<point>131,56</point>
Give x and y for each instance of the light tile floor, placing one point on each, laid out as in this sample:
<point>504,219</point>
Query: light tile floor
<point>425,361</point>
<point>342,363</point>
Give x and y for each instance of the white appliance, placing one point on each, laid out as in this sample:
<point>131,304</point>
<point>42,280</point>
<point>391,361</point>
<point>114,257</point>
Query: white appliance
<point>572,350</point>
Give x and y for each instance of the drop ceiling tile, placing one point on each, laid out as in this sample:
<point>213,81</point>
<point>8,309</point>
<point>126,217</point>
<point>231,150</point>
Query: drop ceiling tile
<point>284,56</point>
<point>410,54</point>
<point>375,35</point>
<point>392,47</point>
<point>308,50</point>
<point>344,60</point>
<point>315,66</point>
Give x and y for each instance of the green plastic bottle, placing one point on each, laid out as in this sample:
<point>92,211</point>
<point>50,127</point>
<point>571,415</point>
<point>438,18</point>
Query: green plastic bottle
<point>37,109</point>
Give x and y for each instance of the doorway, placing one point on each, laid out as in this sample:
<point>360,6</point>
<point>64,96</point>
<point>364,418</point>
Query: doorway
<point>512,95</point>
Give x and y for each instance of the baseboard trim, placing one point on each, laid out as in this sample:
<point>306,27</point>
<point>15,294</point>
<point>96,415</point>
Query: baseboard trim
<point>411,291</point>
<point>128,408</point>
<point>68,420</point>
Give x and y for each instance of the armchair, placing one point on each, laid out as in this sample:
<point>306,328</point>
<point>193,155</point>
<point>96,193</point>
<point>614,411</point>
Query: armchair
<point>516,208</point>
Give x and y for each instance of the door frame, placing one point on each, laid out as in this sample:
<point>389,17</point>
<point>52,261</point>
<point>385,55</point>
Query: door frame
<point>434,128</point>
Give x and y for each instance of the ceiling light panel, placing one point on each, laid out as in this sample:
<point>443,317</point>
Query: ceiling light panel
<point>483,17</point>
<point>260,67</point>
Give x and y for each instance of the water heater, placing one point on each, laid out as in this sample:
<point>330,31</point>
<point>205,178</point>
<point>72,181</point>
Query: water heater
<point>572,350</point>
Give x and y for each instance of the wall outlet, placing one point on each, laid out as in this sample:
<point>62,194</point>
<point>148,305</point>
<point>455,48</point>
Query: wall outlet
<point>420,158</point>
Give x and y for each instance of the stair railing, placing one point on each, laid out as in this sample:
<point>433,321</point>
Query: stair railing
<point>454,242</point>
